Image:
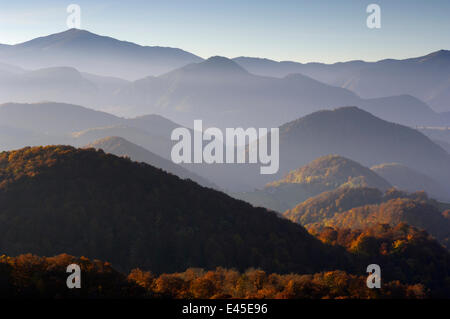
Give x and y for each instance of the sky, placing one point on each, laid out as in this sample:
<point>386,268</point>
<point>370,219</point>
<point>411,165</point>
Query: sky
<point>303,30</point>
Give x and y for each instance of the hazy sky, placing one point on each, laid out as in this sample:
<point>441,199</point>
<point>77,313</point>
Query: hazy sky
<point>301,30</point>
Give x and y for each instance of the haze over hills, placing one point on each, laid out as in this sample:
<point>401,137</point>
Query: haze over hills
<point>70,67</point>
<point>217,90</point>
<point>402,109</point>
<point>437,133</point>
<point>89,203</point>
<point>53,117</point>
<point>96,54</point>
<point>327,73</point>
<point>356,134</point>
<point>444,145</point>
<point>121,147</point>
<point>7,68</point>
<point>223,94</point>
<point>110,84</point>
<point>409,180</point>
<point>62,84</point>
<point>349,132</point>
<point>60,123</point>
<point>12,138</point>
<point>426,77</point>
<point>158,144</point>
<point>323,174</point>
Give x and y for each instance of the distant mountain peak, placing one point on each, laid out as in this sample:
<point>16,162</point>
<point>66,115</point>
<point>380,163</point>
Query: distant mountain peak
<point>221,64</point>
<point>345,112</point>
<point>440,55</point>
<point>217,59</point>
<point>75,31</point>
<point>96,54</point>
<point>60,37</point>
<point>349,110</point>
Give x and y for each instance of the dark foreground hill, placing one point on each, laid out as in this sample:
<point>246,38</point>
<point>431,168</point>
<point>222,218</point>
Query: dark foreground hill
<point>121,147</point>
<point>59,199</point>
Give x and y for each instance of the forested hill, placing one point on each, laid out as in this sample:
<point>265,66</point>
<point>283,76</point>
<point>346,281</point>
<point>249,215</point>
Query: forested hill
<point>366,139</point>
<point>331,171</point>
<point>323,174</point>
<point>122,147</point>
<point>60,199</point>
<point>360,208</point>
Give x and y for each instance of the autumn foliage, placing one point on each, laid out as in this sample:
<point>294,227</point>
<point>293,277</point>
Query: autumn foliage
<point>86,202</point>
<point>32,276</point>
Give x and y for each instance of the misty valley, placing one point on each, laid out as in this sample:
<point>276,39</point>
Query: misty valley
<point>235,141</point>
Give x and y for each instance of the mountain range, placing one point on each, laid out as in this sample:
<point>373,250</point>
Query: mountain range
<point>79,67</point>
<point>426,78</point>
<point>110,57</point>
<point>96,54</point>
<point>357,135</point>
<point>349,132</point>
<point>360,136</point>
<point>121,147</point>
<point>224,94</point>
